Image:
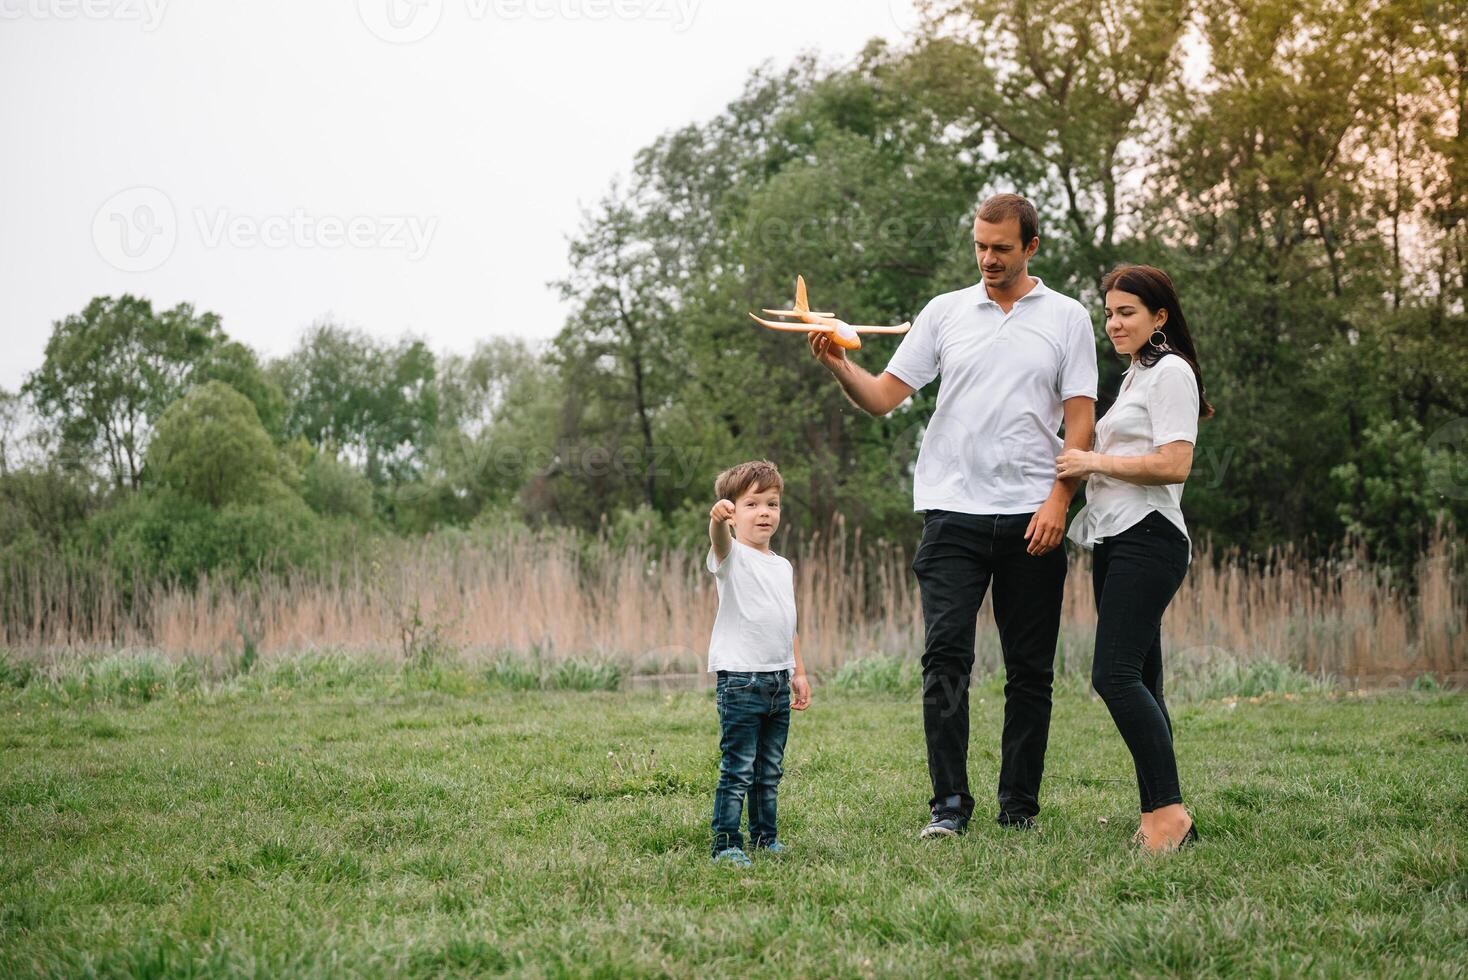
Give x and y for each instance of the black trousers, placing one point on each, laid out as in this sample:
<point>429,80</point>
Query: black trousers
<point>958,558</point>
<point>1135,574</point>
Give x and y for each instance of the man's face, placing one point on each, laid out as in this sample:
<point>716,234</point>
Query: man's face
<point>757,516</point>
<point>1002,257</point>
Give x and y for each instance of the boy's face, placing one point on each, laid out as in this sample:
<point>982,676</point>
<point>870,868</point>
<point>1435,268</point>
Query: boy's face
<point>757,516</point>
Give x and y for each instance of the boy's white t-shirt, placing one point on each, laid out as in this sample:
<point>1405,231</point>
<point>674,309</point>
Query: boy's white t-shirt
<point>755,627</point>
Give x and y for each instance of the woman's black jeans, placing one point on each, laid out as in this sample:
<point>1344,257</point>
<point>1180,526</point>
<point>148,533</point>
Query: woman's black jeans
<point>959,557</point>
<point>1135,574</point>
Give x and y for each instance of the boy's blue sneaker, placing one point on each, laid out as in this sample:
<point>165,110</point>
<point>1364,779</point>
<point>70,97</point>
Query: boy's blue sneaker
<point>734,856</point>
<point>774,847</point>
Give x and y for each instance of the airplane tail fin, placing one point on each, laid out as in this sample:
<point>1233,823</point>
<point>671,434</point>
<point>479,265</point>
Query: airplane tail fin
<point>801,303</point>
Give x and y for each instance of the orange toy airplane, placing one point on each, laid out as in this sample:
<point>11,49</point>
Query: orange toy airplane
<point>841,333</point>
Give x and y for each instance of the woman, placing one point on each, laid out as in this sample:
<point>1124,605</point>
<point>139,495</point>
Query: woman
<point>1134,521</point>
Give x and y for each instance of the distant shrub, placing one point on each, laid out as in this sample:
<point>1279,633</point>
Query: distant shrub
<point>120,677</point>
<point>1426,683</point>
<point>15,672</point>
<point>879,675</point>
<point>1247,679</point>
<point>333,487</point>
<point>578,675</point>
<point>210,447</point>
<point>509,673</point>
<point>327,671</point>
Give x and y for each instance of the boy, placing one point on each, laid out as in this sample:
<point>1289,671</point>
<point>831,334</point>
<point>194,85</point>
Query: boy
<point>754,651</point>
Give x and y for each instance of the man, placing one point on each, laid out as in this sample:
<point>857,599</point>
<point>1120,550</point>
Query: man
<point>1016,358</point>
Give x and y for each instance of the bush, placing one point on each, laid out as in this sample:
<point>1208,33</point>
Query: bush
<point>508,673</point>
<point>879,675</point>
<point>14,672</point>
<point>332,487</point>
<point>125,678</point>
<point>163,535</point>
<point>576,675</point>
<point>210,447</point>
<point>1252,679</point>
<point>330,671</point>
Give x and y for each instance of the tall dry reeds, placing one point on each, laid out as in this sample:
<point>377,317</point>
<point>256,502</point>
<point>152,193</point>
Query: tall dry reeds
<point>559,595</point>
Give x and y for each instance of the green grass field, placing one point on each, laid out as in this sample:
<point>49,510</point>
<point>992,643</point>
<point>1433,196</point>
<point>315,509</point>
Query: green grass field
<point>368,827</point>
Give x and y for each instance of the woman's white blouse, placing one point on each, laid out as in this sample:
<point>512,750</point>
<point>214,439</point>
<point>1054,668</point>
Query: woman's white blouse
<point>1157,405</point>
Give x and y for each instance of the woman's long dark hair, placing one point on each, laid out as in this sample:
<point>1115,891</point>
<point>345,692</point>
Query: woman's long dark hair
<point>1153,287</point>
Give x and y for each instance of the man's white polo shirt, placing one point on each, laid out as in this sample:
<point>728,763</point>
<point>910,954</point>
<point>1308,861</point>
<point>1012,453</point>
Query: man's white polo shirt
<point>991,444</point>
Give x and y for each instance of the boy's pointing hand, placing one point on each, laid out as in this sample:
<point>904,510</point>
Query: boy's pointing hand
<point>722,511</point>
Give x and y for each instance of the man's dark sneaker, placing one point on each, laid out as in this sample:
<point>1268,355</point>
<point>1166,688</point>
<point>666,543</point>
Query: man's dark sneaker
<point>1016,822</point>
<point>944,825</point>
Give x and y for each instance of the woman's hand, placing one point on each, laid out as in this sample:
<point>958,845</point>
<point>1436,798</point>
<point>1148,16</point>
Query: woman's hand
<point>1077,464</point>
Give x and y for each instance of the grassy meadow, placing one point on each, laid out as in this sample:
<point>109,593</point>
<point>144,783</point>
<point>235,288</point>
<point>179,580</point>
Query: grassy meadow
<point>321,816</point>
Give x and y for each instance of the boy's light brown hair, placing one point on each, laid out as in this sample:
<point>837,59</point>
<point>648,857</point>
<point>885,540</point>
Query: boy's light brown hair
<point>757,475</point>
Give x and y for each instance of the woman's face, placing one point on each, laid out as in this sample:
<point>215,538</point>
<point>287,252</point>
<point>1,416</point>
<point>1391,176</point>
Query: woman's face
<point>1129,323</point>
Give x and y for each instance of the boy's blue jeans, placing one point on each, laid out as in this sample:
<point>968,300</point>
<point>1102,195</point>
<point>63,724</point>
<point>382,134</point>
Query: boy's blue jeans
<point>754,718</point>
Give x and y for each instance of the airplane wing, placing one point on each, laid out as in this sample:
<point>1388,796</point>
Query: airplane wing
<point>797,313</point>
<point>901,328</point>
<point>798,327</point>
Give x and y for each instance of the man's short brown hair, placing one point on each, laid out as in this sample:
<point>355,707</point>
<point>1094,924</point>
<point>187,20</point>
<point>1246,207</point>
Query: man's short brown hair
<point>1002,207</point>
<point>756,475</point>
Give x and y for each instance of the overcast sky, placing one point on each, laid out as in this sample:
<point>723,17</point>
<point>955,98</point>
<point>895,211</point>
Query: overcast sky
<point>398,165</point>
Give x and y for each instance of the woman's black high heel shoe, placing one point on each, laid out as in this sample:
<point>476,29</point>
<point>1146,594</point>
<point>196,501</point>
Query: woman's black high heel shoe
<point>1191,837</point>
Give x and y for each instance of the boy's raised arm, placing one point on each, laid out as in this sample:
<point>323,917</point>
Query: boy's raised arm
<point>719,517</point>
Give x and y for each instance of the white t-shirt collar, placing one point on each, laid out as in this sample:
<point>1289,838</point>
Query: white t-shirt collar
<point>1039,289</point>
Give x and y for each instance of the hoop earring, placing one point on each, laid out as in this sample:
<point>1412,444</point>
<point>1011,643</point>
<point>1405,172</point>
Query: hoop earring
<point>1154,342</point>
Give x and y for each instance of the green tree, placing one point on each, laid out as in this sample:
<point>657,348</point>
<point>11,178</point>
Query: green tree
<point>499,413</point>
<point>1396,487</point>
<point>239,367</point>
<point>1295,164</point>
<point>211,448</point>
<point>617,346</point>
<point>844,176</point>
<point>10,421</point>
<point>1067,91</point>
<point>110,371</point>
<point>332,487</point>
<point>376,401</point>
